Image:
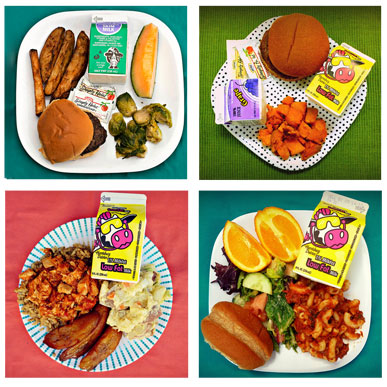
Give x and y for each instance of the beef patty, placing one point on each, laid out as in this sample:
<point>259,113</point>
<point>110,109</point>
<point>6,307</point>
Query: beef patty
<point>99,136</point>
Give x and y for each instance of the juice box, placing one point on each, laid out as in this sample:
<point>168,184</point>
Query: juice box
<point>331,239</point>
<point>340,77</point>
<point>108,55</point>
<point>240,100</point>
<point>119,235</point>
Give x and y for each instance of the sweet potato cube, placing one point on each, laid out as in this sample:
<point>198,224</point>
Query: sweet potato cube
<point>283,109</point>
<point>301,106</point>
<point>311,149</point>
<point>294,116</point>
<point>272,113</point>
<point>283,151</point>
<point>304,129</point>
<point>318,133</point>
<point>276,138</point>
<point>265,136</point>
<point>311,115</point>
<point>288,100</point>
<point>294,146</point>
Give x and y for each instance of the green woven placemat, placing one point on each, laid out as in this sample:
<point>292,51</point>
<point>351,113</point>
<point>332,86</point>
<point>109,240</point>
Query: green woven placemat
<point>358,153</point>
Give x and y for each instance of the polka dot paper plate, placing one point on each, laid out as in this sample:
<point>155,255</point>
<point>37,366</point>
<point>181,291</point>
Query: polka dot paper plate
<point>127,352</point>
<point>275,91</point>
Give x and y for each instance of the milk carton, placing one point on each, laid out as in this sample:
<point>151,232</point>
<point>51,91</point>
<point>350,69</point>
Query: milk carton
<point>331,239</point>
<point>108,55</point>
<point>241,101</point>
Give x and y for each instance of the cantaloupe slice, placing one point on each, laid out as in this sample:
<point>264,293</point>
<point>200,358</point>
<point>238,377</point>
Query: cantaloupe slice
<point>144,61</point>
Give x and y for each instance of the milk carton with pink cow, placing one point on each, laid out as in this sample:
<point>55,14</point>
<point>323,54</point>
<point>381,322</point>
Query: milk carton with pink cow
<point>331,239</point>
<point>119,235</point>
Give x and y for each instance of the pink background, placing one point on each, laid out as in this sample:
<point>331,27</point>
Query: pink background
<point>32,214</point>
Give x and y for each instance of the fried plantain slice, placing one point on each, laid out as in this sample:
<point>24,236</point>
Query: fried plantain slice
<point>105,345</point>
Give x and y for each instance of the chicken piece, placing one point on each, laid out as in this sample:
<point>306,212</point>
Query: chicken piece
<point>94,290</point>
<point>294,146</point>
<point>48,262</point>
<point>54,277</point>
<point>27,275</point>
<point>311,115</point>
<point>83,285</point>
<point>64,288</point>
<point>39,288</point>
<point>311,149</point>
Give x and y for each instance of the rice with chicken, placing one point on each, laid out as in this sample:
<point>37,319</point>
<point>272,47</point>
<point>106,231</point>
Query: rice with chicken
<point>59,287</point>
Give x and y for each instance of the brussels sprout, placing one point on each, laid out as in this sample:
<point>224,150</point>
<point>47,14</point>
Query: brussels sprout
<point>131,142</point>
<point>142,117</point>
<point>153,132</point>
<point>160,113</point>
<point>116,124</point>
<point>126,105</point>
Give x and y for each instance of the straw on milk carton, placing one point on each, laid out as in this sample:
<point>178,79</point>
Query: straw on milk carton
<point>331,239</point>
<point>119,235</point>
<point>339,79</point>
<point>108,55</point>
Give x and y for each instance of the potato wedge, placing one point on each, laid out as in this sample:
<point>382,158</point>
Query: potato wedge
<point>61,63</point>
<point>40,103</point>
<point>84,345</point>
<point>105,345</point>
<point>50,51</point>
<point>75,69</point>
<point>69,335</point>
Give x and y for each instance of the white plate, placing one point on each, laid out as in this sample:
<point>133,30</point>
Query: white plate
<point>128,351</point>
<point>287,360</point>
<point>169,90</point>
<point>275,91</point>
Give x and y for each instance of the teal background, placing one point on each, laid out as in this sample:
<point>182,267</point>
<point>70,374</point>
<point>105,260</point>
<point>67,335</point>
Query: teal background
<point>357,155</point>
<point>216,207</point>
<point>18,165</point>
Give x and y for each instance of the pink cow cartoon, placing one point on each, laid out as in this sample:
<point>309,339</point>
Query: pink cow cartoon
<point>112,232</point>
<point>327,229</point>
<point>340,67</point>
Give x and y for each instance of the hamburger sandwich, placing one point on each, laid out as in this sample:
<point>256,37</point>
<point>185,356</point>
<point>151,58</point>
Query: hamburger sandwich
<point>238,335</point>
<point>68,133</point>
<point>294,47</point>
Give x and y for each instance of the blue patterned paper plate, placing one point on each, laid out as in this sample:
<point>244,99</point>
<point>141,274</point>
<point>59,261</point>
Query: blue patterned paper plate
<point>128,351</point>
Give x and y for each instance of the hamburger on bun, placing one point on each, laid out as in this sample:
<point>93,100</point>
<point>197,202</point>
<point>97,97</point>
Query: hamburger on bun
<point>238,335</point>
<point>294,47</point>
<point>68,133</point>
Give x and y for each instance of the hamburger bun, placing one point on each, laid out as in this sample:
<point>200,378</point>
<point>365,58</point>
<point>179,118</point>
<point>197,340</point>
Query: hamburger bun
<point>238,335</point>
<point>294,47</point>
<point>64,130</point>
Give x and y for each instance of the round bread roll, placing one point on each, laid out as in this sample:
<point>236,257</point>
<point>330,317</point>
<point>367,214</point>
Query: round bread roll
<point>238,335</point>
<point>297,46</point>
<point>64,131</point>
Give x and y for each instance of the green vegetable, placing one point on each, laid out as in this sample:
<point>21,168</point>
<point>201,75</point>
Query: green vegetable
<point>258,281</point>
<point>276,269</point>
<point>160,113</point>
<point>242,275</point>
<point>126,105</point>
<point>153,132</point>
<point>142,117</point>
<point>116,124</point>
<point>290,339</point>
<point>279,311</point>
<point>239,300</point>
<point>132,141</point>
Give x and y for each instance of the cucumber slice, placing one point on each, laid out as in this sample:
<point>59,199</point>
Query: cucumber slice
<point>241,277</point>
<point>258,281</point>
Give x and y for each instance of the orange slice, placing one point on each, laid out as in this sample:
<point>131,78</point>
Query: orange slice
<point>279,233</point>
<point>243,250</point>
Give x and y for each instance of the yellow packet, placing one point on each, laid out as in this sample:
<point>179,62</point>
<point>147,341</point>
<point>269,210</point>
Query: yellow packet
<point>331,240</point>
<point>339,78</point>
<point>119,235</point>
